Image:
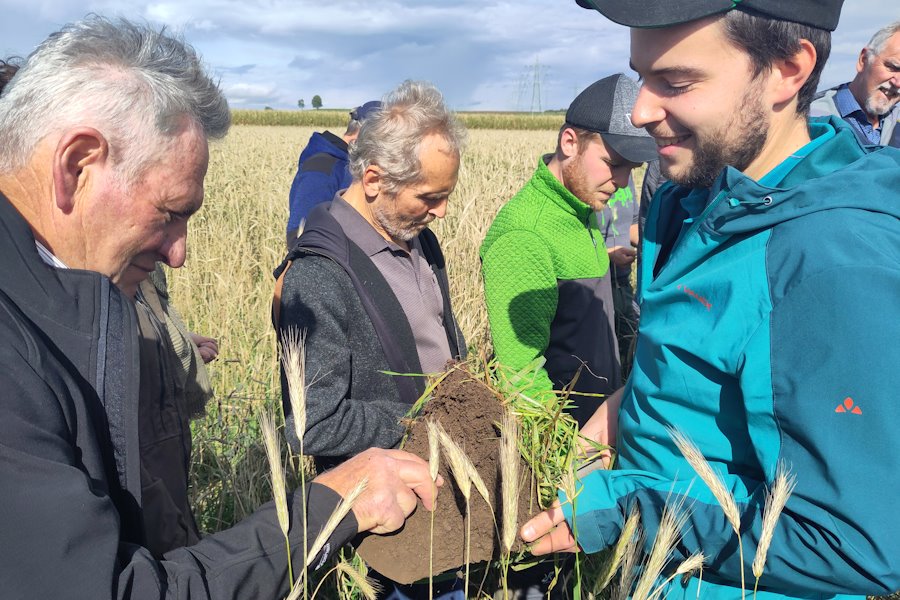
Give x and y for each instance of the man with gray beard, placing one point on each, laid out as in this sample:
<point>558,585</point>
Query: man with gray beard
<point>366,282</point>
<point>869,102</point>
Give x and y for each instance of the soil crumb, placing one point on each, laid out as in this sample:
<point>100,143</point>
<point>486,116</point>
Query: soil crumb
<point>470,412</point>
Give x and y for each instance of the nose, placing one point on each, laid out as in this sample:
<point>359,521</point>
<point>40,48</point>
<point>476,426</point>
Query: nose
<point>646,109</point>
<point>621,176</point>
<point>174,250</point>
<point>439,210</point>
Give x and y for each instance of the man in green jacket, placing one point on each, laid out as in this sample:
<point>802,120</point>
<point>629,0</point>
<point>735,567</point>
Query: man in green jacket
<point>544,261</point>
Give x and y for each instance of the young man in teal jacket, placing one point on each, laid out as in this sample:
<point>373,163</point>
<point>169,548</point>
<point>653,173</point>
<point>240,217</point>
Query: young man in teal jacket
<point>773,226</point>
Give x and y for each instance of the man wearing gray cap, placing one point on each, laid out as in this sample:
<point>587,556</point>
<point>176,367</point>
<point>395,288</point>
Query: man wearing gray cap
<point>772,226</point>
<point>544,261</point>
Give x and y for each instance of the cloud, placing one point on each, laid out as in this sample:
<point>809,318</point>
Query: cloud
<point>251,93</point>
<point>489,54</point>
<point>239,70</point>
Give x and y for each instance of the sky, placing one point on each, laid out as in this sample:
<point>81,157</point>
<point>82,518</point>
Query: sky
<point>482,54</point>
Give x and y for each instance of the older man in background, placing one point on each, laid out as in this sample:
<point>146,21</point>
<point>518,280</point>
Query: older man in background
<point>366,286</point>
<point>869,102</point>
<point>366,280</point>
<point>103,153</point>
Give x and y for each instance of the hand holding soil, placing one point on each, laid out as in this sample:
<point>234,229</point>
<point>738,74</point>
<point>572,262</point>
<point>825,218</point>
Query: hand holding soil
<point>396,480</point>
<point>549,532</point>
<point>469,411</point>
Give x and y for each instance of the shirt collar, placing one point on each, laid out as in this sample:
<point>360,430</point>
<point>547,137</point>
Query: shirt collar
<point>846,103</point>
<point>359,230</point>
<point>48,257</point>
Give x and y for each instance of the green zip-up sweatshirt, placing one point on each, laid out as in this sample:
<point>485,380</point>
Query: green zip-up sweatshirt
<point>548,293</point>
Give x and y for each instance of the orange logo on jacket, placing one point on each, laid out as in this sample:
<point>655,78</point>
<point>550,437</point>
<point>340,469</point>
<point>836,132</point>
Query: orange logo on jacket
<point>848,406</point>
<point>706,303</point>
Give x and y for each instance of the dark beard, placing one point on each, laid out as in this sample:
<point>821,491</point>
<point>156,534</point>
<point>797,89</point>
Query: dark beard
<point>714,154</point>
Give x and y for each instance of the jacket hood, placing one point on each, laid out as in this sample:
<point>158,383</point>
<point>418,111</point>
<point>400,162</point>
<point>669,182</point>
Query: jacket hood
<point>327,143</point>
<point>839,173</point>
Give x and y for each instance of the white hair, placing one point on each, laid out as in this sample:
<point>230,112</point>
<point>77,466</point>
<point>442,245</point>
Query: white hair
<point>878,41</point>
<point>137,85</point>
<point>392,135</point>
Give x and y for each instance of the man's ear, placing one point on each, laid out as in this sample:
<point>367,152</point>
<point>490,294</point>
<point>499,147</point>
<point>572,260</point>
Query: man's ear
<point>792,72</point>
<point>79,153</point>
<point>861,61</point>
<point>372,181</point>
<point>568,143</point>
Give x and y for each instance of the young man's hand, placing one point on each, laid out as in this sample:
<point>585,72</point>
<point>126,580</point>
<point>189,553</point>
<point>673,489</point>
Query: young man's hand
<point>549,532</point>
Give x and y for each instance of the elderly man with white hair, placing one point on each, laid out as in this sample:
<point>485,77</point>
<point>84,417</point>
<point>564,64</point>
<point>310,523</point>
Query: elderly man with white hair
<point>103,153</point>
<point>869,102</point>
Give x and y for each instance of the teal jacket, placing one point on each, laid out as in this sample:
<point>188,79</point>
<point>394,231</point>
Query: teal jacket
<point>770,332</point>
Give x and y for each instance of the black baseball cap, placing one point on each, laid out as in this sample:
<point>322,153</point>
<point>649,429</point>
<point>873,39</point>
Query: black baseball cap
<point>604,107</point>
<point>823,14</point>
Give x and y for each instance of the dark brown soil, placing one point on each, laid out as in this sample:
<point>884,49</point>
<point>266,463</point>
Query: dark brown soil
<point>470,412</point>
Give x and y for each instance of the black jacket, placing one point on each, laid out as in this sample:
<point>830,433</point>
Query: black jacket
<point>70,486</point>
<point>356,333</point>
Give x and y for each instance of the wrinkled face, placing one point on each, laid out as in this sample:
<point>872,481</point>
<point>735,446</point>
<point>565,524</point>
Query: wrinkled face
<point>405,213</point>
<point>130,227</point>
<point>880,77</point>
<point>595,173</point>
<point>699,101</point>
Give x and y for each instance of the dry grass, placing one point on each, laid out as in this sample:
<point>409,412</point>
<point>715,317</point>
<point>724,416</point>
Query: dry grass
<point>511,477</point>
<point>777,497</point>
<point>336,119</point>
<point>671,524</point>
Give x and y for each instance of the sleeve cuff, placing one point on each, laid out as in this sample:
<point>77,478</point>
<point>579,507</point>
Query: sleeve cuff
<point>582,520</point>
<point>321,502</point>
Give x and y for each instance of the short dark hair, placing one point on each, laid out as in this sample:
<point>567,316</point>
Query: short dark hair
<point>767,39</point>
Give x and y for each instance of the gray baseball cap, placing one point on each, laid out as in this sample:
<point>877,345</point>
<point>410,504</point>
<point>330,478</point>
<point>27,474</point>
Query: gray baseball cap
<point>605,108</point>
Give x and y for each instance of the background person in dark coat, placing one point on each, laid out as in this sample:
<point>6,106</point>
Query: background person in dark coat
<point>323,170</point>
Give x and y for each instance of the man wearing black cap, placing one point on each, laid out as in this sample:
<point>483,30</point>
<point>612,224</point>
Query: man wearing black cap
<point>323,170</point>
<point>544,261</point>
<point>773,227</point>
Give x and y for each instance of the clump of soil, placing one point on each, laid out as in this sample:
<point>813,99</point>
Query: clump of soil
<point>470,412</point>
